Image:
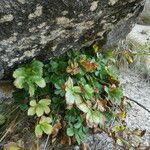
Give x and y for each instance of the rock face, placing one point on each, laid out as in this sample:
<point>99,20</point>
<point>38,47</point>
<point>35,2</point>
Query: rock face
<point>47,28</point>
<point>139,41</point>
<point>146,13</point>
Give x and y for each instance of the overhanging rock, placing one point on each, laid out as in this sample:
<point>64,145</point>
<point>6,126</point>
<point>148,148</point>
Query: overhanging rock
<point>47,28</point>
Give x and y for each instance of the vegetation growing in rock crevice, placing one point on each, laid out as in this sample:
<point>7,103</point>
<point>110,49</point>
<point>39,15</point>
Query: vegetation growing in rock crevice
<point>75,94</point>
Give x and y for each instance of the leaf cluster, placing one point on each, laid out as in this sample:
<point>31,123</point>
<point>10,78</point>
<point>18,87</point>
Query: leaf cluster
<point>85,95</point>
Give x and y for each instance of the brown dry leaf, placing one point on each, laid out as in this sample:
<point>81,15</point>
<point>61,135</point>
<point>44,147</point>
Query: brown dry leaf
<point>12,146</point>
<point>73,68</point>
<point>88,65</point>
<point>101,104</point>
<point>56,128</point>
<point>55,131</point>
<point>113,81</point>
<point>65,140</point>
<point>84,146</point>
<point>97,130</point>
<point>35,147</point>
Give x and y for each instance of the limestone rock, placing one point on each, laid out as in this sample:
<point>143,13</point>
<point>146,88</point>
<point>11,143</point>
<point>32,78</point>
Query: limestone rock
<point>139,41</point>
<point>48,28</point>
<point>145,16</point>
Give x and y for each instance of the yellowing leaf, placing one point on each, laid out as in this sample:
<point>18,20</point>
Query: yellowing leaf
<point>70,98</point>
<point>121,115</point>
<point>41,83</point>
<point>39,108</point>
<point>45,119</point>
<point>39,111</point>
<point>47,128</point>
<point>45,101</point>
<point>43,126</point>
<point>95,47</point>
<point>76,89</point>
<point>31,90</point>
<point>19,82</point>
<point>69,84</point>
<point>31,111</point>
<point>46,110</point>
<point>118,128</point>
<point>83,107</point>
<point>94,118</point>
<point>38,131</point>
<point>33,103</point>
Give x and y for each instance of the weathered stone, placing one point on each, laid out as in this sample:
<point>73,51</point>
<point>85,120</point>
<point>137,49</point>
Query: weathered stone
<point>139,42</point>
<point>145,16</point>
<point>47,28</point>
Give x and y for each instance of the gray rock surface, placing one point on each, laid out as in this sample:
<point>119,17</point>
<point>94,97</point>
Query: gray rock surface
<point>146,13</point>
<point>35,28</point>
<point>138,89</point>
<point>139,41</point>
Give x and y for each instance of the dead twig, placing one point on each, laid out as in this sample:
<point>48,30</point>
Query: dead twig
<point>130,99</point>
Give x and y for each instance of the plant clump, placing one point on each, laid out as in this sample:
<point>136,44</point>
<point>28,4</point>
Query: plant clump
<point>72,95</point>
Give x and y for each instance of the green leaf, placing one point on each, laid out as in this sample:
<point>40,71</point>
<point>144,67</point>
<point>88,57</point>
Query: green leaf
<point>114,93</point>
<point>39,111</point>
<point>109,116</point>
<point>20,72</point>
<point>76,89</point>
<point>45,102</point>
<point>38,131</point>
<point>94,118</point>
<point>37,66</point>
<point>47,128</point>
<point>70,131</point>
<point>46,110</point>
<point>29,76</point>
<point>78,125</point>
<point>88,91</point>
<point>77,137</point>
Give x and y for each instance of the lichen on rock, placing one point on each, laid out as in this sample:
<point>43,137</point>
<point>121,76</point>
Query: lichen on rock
<point>46,28</point>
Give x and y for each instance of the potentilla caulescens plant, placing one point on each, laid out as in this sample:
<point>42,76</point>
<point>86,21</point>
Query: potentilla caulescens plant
<point>75,93</point>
